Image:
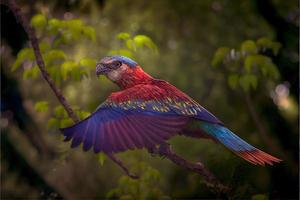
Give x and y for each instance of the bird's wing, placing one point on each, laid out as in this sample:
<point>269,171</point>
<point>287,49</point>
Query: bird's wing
<point>141,116</point>
<point>184,105</point>
<point>121,123</point>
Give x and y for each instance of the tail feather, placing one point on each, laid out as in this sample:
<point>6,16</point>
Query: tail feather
<point>238,145</point>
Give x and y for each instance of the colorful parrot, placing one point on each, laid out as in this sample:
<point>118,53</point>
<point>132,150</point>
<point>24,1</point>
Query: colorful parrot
<point>146,112</point>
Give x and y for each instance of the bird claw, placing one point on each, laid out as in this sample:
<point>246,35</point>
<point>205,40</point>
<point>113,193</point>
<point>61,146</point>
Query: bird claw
<point>153,151</point>
<point>158,151</point>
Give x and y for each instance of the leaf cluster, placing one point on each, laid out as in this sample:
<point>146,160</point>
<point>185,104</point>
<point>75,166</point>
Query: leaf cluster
<point>248,64</point>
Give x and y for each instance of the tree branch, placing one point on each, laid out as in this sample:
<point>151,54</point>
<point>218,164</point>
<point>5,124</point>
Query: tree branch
<point>164,150</point>
<point>39,59</point>
<point>40,62</point>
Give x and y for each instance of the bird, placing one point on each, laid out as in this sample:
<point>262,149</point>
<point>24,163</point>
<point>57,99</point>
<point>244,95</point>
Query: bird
<point>146,112</point>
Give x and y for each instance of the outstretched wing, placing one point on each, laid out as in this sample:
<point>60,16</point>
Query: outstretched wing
<point>115,130</point>
<point>138,117</point>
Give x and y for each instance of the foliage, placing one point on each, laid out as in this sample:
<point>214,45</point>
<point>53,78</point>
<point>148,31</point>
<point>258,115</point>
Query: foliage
<point>249,64</point>
<point>131,45</point>
<point>187,34</point>
<point>146,187</point>
<point>55,35</point>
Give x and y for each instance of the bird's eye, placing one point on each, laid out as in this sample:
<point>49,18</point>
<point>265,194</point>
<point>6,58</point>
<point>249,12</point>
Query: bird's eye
<point>116,65</point>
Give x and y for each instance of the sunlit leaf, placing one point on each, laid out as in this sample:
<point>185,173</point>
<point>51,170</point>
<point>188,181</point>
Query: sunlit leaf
<point>143,40</point>
<point>52,122</point>
<point>53,26</point>
<point>233,80</point>
<point>66,122</point>
<point>276,47</point>
<point>83,114</point>
<point>130,44</point>
<point>260,197</point>
<point>123,36</point>
<point>44,46</point>
<point>38,21</point>
<point>31,72</point>
<point>60,112</point>
<point>249,47</point>
<point>88,62</point>
<point>265,43</point>
<point>90,33</point>
<point>69,66</point>
<point>73,24</point>
<point>248,81</point>
<point>41,106</point>
<point>101,158</point>
<point>54,54</point>
<point>24,54</point>
<point>220,56</point>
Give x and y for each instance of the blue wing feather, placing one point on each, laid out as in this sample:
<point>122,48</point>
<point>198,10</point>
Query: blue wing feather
<point>115,130</point>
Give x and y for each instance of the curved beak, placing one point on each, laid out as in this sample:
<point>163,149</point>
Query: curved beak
<point>101,69</point>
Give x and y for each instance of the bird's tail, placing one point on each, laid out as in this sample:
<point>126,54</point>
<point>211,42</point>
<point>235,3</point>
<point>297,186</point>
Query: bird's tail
<point>237,145</point>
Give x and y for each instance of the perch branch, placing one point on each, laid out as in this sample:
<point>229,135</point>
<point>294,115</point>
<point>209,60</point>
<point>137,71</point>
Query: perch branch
<point>165,150</point>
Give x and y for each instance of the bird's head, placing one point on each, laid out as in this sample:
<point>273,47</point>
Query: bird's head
<point>113,67</point>
<point>121,70</point>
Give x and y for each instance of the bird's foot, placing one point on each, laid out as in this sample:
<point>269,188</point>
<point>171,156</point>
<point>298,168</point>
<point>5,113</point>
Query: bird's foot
<point>153,151</point>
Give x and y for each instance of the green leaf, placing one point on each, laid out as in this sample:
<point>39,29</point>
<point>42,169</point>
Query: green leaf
<point>38,21</point>
<point>52,122</point>
<point>219,56</point>
<point>31,73</point>
<point>260,197</point>
<point>249,47</point>
<point>83,114</point>
<point>41,106</point>
<point>54,25</point>
<point>24,54</point>
<point>123,36</point>
<point>264,42</point>
<point>90,33</point>
<point>247,81</point>
<point>251,61</point>
<point>233,80</point>
<point>54,55</point>
<point>69,66</point>
<point>60,112</point>
<point>88,62</point>
<point>44,46</point>
<point>55,73</point>
<point>66,122</point>
<point>143,40</point>
<point>276,46</point>
<point>130,44</point>
<point>101,158</point>
<point>73,24</point>
<point>76,74</point>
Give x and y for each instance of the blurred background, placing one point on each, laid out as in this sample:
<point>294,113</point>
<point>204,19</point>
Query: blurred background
<point>239,59</point>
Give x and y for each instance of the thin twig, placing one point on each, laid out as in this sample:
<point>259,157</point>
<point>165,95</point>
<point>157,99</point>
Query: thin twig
<point>120,163</point>
<point>165,150</point>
